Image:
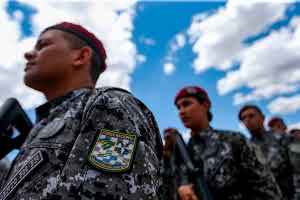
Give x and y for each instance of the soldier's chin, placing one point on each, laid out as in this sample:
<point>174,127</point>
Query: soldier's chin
<point>30,82</point>
<point>187,125</point>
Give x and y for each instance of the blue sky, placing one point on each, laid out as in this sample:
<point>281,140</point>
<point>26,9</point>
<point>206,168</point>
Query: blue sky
<point>239,52</point>
<point>160,22</point>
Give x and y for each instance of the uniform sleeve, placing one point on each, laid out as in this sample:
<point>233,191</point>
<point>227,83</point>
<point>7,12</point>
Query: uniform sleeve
<point>293,148</point>
<point>115,155</point>
<point>182,173</point>
<point>260,182</point>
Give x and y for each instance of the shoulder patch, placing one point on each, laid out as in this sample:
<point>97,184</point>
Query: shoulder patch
<point>113,151</point>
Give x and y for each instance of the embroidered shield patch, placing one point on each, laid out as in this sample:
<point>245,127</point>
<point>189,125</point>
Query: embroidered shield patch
<point>113,151</point>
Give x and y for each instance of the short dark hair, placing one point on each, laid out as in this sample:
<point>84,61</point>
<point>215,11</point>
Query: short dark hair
<point>249,106</point>
<point>96,63</point>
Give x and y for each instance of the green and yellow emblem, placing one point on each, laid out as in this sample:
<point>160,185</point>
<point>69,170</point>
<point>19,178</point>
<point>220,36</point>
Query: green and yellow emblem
<point>113,151</point>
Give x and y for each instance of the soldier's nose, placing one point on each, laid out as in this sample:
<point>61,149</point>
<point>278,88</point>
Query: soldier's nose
<point>29,55</point>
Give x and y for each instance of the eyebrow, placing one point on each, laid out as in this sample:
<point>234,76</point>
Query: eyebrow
<point>39,41</point>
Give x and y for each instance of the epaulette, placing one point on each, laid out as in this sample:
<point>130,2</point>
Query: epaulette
<point>98,92</point>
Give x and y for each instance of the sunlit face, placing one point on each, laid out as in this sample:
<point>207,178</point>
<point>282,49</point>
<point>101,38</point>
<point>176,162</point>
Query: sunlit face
<point>49,62</point>
<point>192,112</point>
<point>252,119</point>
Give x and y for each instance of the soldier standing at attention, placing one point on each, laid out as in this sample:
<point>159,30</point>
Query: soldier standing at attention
<point>87,143</point>
<point>231,169</point>
<point>275,150</point>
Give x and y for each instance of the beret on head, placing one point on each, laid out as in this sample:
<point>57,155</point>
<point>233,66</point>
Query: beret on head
<point>275,120</point>
<point>192,91</point>
<point>84,35</point>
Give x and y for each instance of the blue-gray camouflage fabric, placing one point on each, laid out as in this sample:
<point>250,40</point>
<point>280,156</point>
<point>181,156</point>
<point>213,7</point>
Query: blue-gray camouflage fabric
<point>168,173</point>
<point>294,154</point>
<point>279,154</point>
<point>88,144</point>
<point>231,169</point>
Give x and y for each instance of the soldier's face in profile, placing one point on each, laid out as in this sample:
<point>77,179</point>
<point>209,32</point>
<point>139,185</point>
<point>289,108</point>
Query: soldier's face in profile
<point>191,112</point>
<point>49,62</point>
<point>252,119</point>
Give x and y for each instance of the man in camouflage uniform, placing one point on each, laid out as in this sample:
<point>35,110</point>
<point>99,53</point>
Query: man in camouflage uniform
<point>231,169</point>
<point>274,148</point>
<point>168,165</point>
<point>87,143</point>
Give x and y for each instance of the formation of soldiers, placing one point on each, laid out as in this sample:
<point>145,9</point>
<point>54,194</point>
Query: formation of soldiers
<point>104,143</point>
<point>265,166</point>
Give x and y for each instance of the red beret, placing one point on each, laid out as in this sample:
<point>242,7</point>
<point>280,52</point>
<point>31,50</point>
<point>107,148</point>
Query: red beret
<point>193,91</point>
<point>84,35</point>
<point>275,120</point>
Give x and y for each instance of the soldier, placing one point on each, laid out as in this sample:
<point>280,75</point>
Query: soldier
<point>294,153</point>
<point>87,143</point>
<point>231,169</point>
<point>295,133</point>
<point>275,150</point>
<point>168,165</point>
<point>277,125</point>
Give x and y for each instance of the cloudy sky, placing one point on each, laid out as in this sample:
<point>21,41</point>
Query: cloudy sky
<point>240,52</point>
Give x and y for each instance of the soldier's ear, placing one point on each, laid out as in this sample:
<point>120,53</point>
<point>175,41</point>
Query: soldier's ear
<point>82,56</point>
<point>206,104</point>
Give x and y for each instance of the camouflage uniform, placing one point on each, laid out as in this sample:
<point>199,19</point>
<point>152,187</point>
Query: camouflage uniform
<point>169,179</point>
<point>294,154</point>
<point>276,152</point>
<point>4,167</point>
<point>86,145</point>
<point>230,167</point>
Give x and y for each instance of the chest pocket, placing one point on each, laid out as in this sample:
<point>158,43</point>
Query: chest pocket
<point>220,168</point>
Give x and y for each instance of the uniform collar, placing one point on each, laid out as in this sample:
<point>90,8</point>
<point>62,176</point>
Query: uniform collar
<point>262,136</point>
<point>207,132</point>
<point>44,110</point>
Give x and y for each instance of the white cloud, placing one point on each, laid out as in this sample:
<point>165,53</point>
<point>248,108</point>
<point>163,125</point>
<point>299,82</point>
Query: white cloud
<point>111,21</point>
<point>169,68</point>
<point>285,105</point>
<point>268,66</point>
<point>141,58</point>
<point>219,38</point>
<point>177,43</point>
<point>263,92</point>
<point>263,61</point>
<point>148,41</point>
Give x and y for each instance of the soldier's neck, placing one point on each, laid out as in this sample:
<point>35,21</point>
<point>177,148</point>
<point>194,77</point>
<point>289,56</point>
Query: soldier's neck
<point>198,130</point>
<point>258,132</point>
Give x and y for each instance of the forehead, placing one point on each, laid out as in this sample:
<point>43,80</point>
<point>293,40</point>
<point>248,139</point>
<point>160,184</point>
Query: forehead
<point>51,34</point>
<point>184,99</point>
<point>250,111</point>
